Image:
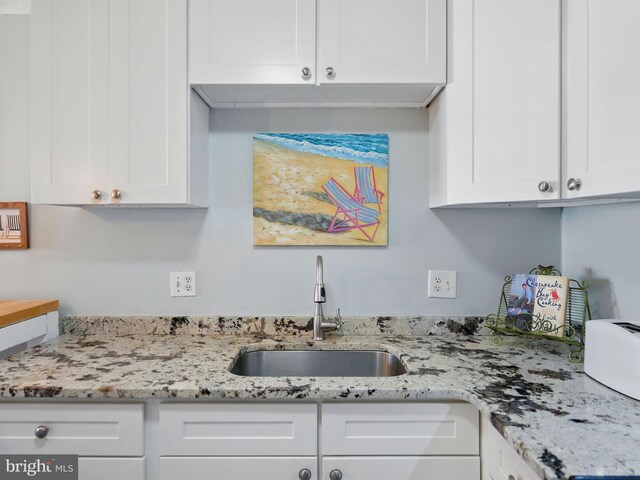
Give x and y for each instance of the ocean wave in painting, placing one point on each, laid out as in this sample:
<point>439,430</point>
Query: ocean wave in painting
<point>372,149</point>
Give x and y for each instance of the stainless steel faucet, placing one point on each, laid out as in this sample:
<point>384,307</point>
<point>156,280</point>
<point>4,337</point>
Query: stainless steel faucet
<point>319,297</point>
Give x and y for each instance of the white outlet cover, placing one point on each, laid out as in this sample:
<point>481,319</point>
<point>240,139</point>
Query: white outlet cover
<point>183,284</point>
<point>443,283</point>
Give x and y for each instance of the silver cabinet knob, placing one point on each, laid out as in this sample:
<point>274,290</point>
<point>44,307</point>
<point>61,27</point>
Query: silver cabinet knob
<point>42,431</point>
<point>544,187</point>
<point>116,194</point>
<point>335,475</point>
<point>96,194</point>
<point>511,477</point>
<point>306,73</point>
<point>330,72</point>
<point>574,184</point>
<point>304,474</point>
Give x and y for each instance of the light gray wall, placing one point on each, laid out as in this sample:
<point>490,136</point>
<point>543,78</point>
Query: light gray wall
<point>601,244</point>
<point>106,261</point>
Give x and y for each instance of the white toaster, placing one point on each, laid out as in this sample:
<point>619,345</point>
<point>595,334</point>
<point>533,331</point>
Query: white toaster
<point>612,354</point>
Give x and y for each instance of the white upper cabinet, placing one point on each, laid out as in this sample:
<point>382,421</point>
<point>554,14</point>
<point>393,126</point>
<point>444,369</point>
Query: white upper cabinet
<point>381,41</point>
<point>601,98</point>
<point>249,42</point>
<point>114,121</point>
<point>495,129</point>
<point>317,52</point>
<point>69,100</point>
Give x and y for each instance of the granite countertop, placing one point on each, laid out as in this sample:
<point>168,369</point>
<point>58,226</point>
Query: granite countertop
<point>558,419</point>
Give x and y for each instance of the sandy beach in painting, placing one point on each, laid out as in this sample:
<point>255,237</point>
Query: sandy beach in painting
<point>290,207</point>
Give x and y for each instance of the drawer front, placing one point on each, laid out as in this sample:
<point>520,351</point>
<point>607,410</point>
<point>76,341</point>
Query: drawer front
<point>403,468</point>
<point>22,332</point>
<point>237,468</point>
<point>92,468</point>
<point>77,429</point>
<point>400,429</point>
<point>225,429</point>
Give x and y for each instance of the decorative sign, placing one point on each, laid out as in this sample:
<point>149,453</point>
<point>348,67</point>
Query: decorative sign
<point>14,225</point>
<point>320,189</point>
<point>45,467</point>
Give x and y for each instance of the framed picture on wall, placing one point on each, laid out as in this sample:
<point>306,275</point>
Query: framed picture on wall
<point>14,225</point>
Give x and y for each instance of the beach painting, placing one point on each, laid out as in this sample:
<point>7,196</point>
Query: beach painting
<point>320,189</point>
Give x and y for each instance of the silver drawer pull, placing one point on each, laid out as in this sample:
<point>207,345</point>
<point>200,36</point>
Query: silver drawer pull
<point>42,431</point>
<point>304,474</point>
<point>574,184</point>
<point>544,187</point>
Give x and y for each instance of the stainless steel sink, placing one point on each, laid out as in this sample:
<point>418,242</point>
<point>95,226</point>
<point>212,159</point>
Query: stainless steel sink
<point>318,363</point>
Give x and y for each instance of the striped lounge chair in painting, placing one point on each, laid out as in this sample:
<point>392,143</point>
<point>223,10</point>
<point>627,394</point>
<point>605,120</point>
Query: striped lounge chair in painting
<point>13,226</point>
<point>350,214</point>
<point>366,189</point>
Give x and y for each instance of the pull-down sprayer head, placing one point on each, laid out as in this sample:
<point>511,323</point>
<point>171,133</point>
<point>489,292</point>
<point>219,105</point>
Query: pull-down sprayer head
<point>319,294</point>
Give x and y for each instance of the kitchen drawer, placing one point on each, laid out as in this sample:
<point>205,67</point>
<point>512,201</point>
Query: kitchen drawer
<point>499,460</point>
<point>403,468</point>
<point>92,468</point>
<point>400,429</point>
<point>74,428</point>
<point>226,429</point>
<point>237,468</point>
<point>23,332</point>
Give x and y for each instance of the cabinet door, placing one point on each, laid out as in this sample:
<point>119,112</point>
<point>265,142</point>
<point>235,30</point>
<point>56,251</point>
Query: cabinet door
<point>499,115</point>
<point>382,41</point>
<point>148,101</point>
<point>499,460</point>
<point>237,468</point>
<point>403,468</point>
<point>95,468</point>
<point>247,42</point>
<point>601,96</point>
<point>69,108</point>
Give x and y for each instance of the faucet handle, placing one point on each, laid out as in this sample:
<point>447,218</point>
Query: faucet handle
<point>338,321</point>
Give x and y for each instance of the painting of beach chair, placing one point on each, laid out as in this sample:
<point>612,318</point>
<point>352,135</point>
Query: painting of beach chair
<point>350,214</point>
<point>366,190</point>
<point>13,224</point>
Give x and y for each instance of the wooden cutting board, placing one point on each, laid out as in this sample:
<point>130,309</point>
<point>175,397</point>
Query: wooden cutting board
<point>14,311</point>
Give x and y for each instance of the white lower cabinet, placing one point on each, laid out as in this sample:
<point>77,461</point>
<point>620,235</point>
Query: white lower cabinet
<point>238,468</point>
<point>108,437</point>
<point>434,428</point>
<point>403,441</point>
<point>90,468</point>
<point>269,441</point>
<point>499,459</point>
<point>237,441</point>
<point>402,468</point>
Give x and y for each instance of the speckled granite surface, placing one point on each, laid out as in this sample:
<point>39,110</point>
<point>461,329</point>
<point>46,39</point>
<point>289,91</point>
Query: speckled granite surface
<point>559,420</point>
<point>268,326</point>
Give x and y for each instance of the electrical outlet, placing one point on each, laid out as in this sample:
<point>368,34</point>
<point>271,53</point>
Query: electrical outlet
<point>442,284</point>
<point>183,284</point>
